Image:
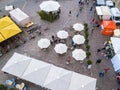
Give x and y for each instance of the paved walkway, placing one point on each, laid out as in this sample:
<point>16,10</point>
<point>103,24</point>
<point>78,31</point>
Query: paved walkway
<point>96,40</point>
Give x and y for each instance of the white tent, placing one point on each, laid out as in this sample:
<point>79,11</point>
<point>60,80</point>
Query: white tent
<point>58,79</point>
<point>117,32</point>
<point>20,17</point>
<point>17,64</point>
<point>49,6</point>
<point>116,62</point>
<point>36,72</point>
<point>103,12</point>
<point>86,83</point>
<point>116,44</point>
<point>47,75</point>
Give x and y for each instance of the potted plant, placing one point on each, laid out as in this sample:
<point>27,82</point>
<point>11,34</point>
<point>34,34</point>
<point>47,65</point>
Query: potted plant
<point>86,25</point>
<point>11,88</point>
<point>2,87</point>
<point>89,64</point>
<point>86,41</point>
<point>87,47</point>
<point>88,54</point>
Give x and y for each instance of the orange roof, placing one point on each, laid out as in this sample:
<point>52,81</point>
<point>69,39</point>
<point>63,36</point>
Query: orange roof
<point>109,24</point>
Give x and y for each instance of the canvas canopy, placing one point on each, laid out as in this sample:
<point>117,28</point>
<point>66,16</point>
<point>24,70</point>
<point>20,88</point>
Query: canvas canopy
<point>47,75</point>
<point>103,12</point>
<point>117,32</point>
<point>20,17</point>
<point>108,27</point>
<point>8,28</point>
<point>116,44</point>
<point>49,6</point>
<point>116,62</point>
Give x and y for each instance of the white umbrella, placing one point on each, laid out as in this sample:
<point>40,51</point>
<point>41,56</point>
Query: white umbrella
<point>117,32</point>
<point>79,54</point>
<point>62,34</point>
<point>78,39</point>
<point>44,43</point>
<point>78,27</point>
<point>49,6</point>
<point>61,48</point>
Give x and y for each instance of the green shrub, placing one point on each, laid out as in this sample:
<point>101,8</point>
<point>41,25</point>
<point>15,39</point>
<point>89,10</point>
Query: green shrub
<point>87,47</point>
<point>86,41</point>
<point>85,25</point>
<point>86,29</point>
<point>47,16</point>
<point>86,33</point>
<point>2,87</point>
<point>11,88</point>
<point>88,54</point>
<point>86,36</point>
<point>89,62</point>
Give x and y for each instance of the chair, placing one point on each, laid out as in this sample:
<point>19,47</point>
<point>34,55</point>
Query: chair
<point>25,88</point>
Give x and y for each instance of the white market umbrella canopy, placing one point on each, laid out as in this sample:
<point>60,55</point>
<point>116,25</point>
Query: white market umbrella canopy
<point>117,32</point>
<point>78,27</point>
<point>49,6</point>
<point>60,48</point>
<point>44,43</point>
<point>62,34</point>
<point>78,39</point>
<point>79,54</point>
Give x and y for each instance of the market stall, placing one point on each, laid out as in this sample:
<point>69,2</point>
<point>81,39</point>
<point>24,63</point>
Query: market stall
<point>21,18</point>
<point>108,27</point>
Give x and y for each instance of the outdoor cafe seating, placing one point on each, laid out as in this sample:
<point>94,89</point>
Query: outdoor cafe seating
<point>11,82</point>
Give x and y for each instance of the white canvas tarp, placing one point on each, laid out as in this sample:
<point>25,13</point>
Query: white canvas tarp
<point>48,75</point>
<point>116,62</point>
<point>19,17</point>
<point>17,65</point>
<point>103,12</point>
<point>116,44</point>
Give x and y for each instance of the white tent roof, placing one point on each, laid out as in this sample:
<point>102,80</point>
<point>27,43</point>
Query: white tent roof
<point>18,14</point>
<point>86,83</point>
<point>17,64</point>
<point>103,10</point>
<point>116,62</point>
<point>115,43</point>
<point>58,76</point>
<point>36,72</point>
<point>48,75</point>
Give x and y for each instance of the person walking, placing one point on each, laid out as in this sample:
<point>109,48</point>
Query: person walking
<point>101,74</point>
<point>70,13</point>
<point>91,8</point>
<point>106,69</point>
<point>68,60</point>
<point>98,61</point>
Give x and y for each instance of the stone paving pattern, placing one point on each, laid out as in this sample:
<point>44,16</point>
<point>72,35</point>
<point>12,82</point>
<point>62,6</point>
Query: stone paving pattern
<point>96,40</point>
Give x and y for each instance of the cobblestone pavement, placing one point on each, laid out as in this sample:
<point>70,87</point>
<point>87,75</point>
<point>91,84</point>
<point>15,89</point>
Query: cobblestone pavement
<point>96,40</point>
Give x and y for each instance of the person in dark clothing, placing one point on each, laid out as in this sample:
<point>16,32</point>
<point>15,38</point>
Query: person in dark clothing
<point>98,61</point>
